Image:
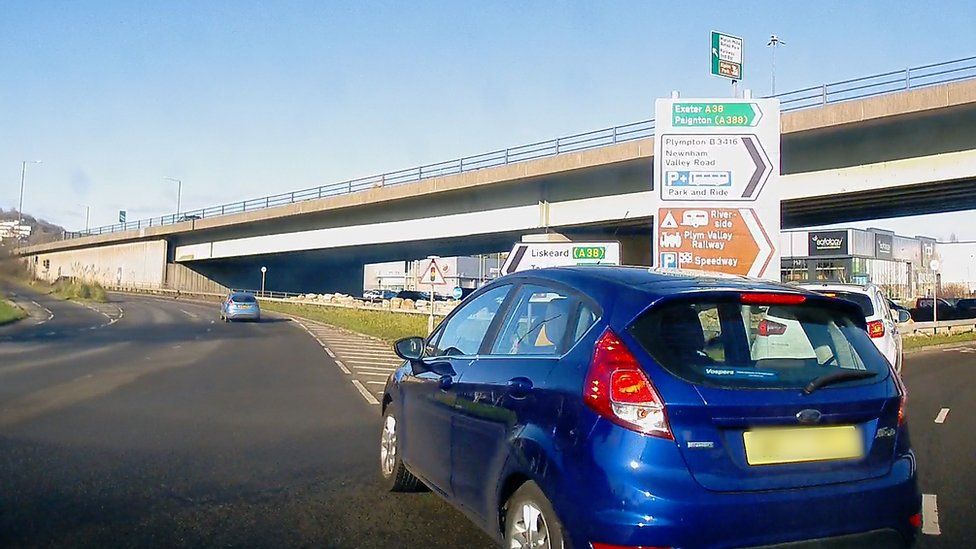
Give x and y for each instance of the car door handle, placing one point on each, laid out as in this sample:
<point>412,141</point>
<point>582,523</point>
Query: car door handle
<point>519,387</point>
<point>445,382</point>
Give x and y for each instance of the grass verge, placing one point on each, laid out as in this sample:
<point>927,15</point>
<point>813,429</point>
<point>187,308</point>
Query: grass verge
<point>921,342</point>
<point>74,289</point>
<point>385,325</point>
<point>10,312</point>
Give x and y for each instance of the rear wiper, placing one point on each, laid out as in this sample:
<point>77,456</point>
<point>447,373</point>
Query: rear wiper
<point>837,377</point>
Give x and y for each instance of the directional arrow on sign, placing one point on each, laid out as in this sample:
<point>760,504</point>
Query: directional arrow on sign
<point>763,168</point>
<point>514,259</point>
<point>761,264</point>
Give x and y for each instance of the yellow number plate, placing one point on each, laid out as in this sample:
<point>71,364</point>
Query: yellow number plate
<point>799,444</point>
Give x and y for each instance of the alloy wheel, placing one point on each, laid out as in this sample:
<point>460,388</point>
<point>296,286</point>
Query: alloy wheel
<point>530,530</point>
<point>388,448</point>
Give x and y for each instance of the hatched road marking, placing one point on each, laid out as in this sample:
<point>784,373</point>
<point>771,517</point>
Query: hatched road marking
<point>358,356</point>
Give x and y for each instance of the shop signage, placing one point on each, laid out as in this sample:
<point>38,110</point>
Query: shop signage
<point>828,243</point>
<point>883,246</point>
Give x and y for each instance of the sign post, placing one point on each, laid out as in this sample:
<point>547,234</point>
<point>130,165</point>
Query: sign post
<point>716,171</point>
<point>264,271</point>
<point>433,274</point>
<point>526,256</point>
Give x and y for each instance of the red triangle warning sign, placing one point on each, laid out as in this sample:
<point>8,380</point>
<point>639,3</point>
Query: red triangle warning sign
<point>433,274</point>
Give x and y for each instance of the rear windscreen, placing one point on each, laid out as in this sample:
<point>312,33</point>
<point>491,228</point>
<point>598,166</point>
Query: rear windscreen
<point>243,298</point>
<point>729,344</point>
<point>863,301</point>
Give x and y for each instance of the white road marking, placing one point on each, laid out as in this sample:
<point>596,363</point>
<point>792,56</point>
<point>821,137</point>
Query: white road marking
<point>373,368</point>
<point>930,515</point>
<point>50,315</point>
<point>329,351</point>
<point>381,374</point>
<point>942,415</point>
<point>189,314</point>
<point>365,392</point>
<point>396,362</point>
<point>342,367</point>
<point>376,383</point>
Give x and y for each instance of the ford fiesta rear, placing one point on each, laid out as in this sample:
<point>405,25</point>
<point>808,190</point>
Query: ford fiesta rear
<point>744,419</point>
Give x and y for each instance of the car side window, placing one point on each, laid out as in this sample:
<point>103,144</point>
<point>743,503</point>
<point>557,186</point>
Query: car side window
<point>463,333</point>
<point>587,317</point>
<point>536,324</point>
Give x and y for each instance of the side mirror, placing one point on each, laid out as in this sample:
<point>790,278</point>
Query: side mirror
<point>409,348</point>
<point>902,316</point>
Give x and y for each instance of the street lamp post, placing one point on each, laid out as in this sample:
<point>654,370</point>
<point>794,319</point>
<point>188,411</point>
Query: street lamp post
<point>179,192</point>
<point>23,177</point>
<point>264,271</point>
<point>774,42</point>
<point>87,216</point>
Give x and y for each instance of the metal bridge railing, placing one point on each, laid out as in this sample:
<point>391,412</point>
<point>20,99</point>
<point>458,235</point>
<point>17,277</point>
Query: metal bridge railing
<point>815,96</point>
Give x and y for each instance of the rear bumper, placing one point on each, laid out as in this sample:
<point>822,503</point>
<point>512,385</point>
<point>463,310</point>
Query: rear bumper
<point>244,315</point>
<point>628,512</point>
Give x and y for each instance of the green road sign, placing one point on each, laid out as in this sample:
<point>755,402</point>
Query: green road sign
<point>715,114</point>
<point>589,252</point>
<point>726,56</point>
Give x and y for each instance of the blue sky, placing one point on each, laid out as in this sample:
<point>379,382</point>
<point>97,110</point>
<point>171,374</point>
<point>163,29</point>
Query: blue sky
<point>242,99</point>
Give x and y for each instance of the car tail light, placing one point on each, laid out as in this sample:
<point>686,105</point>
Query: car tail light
<point>902,401</point>
<point>770,328</point>
<point>915,520</point>
<point>770,298</point>
<point>617,389</point>
<point>876,328</point>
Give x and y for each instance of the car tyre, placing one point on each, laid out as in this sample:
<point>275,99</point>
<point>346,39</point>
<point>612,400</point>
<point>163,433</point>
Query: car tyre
<point>530,520</point>
<point>396,477</point>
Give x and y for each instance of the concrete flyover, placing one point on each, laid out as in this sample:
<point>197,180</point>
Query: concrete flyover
<point>905,153</point>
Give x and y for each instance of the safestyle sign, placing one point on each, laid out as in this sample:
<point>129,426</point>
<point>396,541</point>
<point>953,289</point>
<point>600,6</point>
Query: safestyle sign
<point>716,175</point>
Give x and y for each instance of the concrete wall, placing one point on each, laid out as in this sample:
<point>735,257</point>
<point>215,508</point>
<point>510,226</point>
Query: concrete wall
<point>180,277</point>
<point>132,264</point>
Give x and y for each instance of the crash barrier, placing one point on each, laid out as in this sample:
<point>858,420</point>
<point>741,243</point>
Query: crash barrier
<point>942,327</point>
<point>395,305</point>
<point>166,292</point>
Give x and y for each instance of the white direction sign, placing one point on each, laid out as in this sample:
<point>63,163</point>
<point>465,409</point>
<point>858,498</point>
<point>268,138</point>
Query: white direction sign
<point>526,256</point>
<point>716,172</point>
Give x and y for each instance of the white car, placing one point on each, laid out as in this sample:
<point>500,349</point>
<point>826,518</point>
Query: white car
<point>882,321</point>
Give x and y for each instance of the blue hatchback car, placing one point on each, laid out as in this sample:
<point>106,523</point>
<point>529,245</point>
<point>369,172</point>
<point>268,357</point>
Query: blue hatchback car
<point>617,407</point>
<point>240,306</point>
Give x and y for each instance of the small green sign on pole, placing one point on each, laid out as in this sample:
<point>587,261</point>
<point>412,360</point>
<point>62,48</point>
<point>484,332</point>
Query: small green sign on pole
<point>726,56</point>
<point>121,216</point>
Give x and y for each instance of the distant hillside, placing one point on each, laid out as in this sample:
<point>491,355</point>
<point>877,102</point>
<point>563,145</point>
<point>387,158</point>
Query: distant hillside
<point>41,231</point>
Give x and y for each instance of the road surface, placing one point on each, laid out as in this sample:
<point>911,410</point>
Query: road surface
<point>147,422</point>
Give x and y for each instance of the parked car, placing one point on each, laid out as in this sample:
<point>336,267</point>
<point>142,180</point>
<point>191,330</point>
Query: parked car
<point>896,307</point>
<point>882,321</point>
<point>966,308</point>
<point>923,310</point>
<point>623,407</point>
<point>240,306</point>
<point>413,294</point>
<point>376,296</point>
